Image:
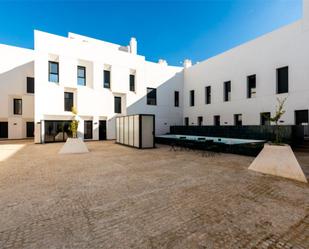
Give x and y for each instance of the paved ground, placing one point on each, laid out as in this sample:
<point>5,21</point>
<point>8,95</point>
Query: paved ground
<point>118,197</point>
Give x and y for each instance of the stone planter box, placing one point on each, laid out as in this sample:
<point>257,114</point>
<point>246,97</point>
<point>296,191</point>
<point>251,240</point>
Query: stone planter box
<point>74,146</point>
<point>278,161</point>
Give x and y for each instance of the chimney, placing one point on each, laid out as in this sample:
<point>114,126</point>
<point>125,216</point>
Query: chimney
<point>187,63</point>
<point>133,46</point>
<point>162,62</point>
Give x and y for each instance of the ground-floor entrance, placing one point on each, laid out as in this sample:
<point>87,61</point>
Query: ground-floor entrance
<point>102,130</point>
<point>57,131</point>
<point>4,130</point>
<point>301,118</point>
<point>30,129</point>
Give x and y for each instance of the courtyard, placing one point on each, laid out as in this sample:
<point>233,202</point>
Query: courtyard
<point>120,197</point>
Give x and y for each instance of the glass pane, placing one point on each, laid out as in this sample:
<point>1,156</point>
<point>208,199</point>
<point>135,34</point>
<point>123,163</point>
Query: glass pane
<point>81,72</point>
<point>53,78</point>
<point>81,81</point>
<point>53,67</point>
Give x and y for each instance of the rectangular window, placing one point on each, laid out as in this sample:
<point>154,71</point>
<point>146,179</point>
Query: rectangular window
<point>265,118</point>
<point>88,129</point>
<point>207,95</point>
<point>81,75</point>
<point>68,101</point>
<point>107,79</point>
<point>227,91</point>
<point>186,121</point>
<point>251,86</point>
<point>30,85</point>
<point>200,121</point>
<point>238,119</point>
<point>53,71</point>
<point>301,117</point>
<point>283,80</point>
<point>132,82</point>
<point>117,103</point>
<point>151,96</point>
<point>192,98</point>
<point>176,98</point>
<point>217,120</point>
<point>17,107</point>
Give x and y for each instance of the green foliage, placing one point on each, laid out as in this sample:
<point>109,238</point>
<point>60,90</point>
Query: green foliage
<point>74,123</point>
<point>276,118</point>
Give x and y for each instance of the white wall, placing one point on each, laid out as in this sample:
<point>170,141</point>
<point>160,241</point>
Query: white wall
<point>287,46</point>
<point>93,101</point>
<point>16,64</point>
<point>306,14</point>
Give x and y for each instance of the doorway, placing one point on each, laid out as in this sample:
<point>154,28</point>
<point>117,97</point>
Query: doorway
<point>30,129</point>
<point>102,130</point>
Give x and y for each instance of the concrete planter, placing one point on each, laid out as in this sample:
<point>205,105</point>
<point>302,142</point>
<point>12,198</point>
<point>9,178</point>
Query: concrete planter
<point>279,161</point>
<point>74,146</point>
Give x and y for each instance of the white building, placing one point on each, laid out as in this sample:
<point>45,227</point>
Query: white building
<point>104,80</point>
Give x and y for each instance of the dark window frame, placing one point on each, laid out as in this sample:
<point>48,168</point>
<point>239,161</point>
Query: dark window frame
<point>208,95</point>
<point>107,79</point>
<point>66,108</point>
<point>30,85</point>
<point>250,86</point>
<point>132,82</point>
<point>86,134</point>
<point>176,98</point>
<point>151,96</point>
<point>81,77</point>
<point>282,83</point>
<point>186,120</point>
<point>53,73</point>
<point>200,120</point>
<point>265,118</point>
<point>117,109</point>
<point>15,111</point>
<point>227,91</point>
<point>217,118</point>
<point>237,122</point>
<point>192,98</point>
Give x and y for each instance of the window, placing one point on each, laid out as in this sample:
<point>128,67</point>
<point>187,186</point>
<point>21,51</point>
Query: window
<point>200,121</point>
<point>187,121</point>
<point>238,119</point>
<point>88,129</point>
<point>283,80</point>
<point>17,107</point>
<point>68,101</point>
<point>265,118</point>
<point>117,104</point>
<point>30,85</point>
<point>208,95</point>
<point>81,75</point>
<point>227,91</point>
<point>151,96</point>
<point>192,98</point>
<point>132,82</point>
<point>217,120</point>
<point>251,86</point>
<point>107,79</point>
<point>176,98</point>
<point>53,71</point>
<point>301,117</point>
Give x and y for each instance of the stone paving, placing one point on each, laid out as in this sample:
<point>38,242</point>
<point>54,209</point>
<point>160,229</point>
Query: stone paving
<point>120,197</point>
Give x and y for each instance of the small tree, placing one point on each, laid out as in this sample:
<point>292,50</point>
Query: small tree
<point>276,118</point>
<point>74,123</point>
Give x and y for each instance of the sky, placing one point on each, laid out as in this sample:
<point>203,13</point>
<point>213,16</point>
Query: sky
<point>172,30</point>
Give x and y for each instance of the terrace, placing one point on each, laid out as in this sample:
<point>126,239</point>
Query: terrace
<point>121,197</point>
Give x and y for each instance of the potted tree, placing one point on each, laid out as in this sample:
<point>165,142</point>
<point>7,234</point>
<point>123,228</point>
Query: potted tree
<point>277,158</point>
<point>74,144</point>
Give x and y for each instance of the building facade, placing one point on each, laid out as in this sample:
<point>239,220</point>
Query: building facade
<point>39,87</point>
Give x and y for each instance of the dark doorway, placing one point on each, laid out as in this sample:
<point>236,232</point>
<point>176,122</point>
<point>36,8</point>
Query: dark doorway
<point>57,131</point>
<point>30,129</point>
<point>102,130</point>
<point>4,130</point>
<point>217,120</point>
<point>88,129</point>
<point>301,117</point>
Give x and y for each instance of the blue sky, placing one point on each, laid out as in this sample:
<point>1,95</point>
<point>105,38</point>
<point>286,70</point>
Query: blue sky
<point>172,30</point>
